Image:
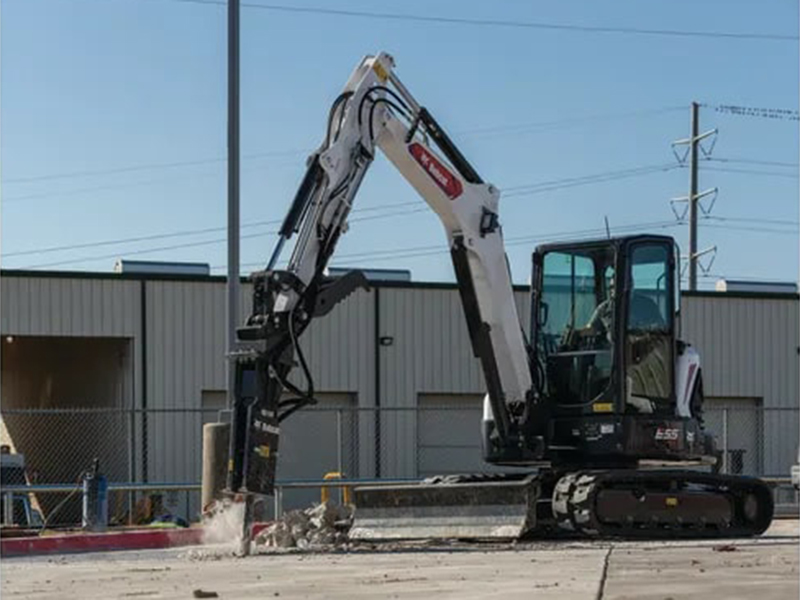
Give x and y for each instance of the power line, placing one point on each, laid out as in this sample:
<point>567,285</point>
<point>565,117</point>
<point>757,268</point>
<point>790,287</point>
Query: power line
<point>513,191</point>
<point>557,184</point>
<point>740,277</point>
<point>751,229</point>
<point>188,232</point>
<point>792,222</point>
<point>381,255</point>
<point>523,128</point>
<point>129,169</point>
<point>212,242</point>
<point>196,244</point>
<point>144,251</point>
<point>505,23</point>
<point>600,231</point>
<point>511,241</point>
<point>116,186</point>
<point>106,188</point>
<point>526,128</point>
<point>751,161</point>
<point>144,238</point>
<point>410,252</point>
<point>146,167</point>
<point>515,241</point>
<point>520,190</point>
<point>751,172</point>
<point>782,114</point>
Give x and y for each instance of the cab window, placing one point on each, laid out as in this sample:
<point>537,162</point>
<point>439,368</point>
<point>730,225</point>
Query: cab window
<point>648,348</point>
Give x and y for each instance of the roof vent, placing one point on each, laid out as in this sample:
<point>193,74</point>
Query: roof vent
<point>771,287</point>
<point>372,274</point>
<point>148,267</point>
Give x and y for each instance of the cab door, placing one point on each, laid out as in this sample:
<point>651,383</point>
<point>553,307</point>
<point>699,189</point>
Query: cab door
<point>649,347</point>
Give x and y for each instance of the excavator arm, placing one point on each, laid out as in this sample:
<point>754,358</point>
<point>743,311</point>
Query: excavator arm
<point>374,111</point>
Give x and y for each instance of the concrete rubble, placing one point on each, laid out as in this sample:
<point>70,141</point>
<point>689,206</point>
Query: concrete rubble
<point>324,524</point>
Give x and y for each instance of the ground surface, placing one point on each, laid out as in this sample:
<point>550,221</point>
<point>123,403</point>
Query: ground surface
<point>763,568</point>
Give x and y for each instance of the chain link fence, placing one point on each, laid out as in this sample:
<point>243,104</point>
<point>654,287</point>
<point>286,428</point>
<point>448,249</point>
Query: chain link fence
<point>756,441</point>
<point>165,447</point>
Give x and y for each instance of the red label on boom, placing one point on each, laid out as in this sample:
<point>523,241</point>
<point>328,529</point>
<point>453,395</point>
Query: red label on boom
<point>437,171</point>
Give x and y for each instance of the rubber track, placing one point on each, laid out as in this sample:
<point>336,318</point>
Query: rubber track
<point>583,488</point>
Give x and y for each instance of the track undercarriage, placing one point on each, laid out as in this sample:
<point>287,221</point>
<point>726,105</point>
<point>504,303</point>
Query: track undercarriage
<point>626,503</point>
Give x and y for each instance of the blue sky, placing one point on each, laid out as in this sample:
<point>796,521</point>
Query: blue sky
<point>104,102</point>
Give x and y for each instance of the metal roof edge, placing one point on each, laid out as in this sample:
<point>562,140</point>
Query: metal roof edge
<point>429,285</point>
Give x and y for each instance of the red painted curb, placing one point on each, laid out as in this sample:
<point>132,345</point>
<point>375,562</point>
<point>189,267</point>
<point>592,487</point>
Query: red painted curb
<point>105,542</point>
<point>100,542</point>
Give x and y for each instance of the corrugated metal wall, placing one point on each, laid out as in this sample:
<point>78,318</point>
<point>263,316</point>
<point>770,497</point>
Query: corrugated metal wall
<point>748,346</point>
<point>749,349</point>
<point>76,307</point>
<point>430,354</point>
<point>186,343</point>
<point>60,306</point>
<point>186,355</point>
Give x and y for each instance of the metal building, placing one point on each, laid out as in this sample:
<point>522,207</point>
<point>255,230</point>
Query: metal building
<point>129,367</point>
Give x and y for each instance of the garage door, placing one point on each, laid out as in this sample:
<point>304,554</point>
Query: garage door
<point>315,441</point>
<point>449,435</point>
<point>741,419</point>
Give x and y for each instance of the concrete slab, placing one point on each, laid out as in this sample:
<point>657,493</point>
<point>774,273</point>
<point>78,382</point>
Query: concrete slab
<point>741,571</point>
<point>765,567</point>
<point>462,574</point>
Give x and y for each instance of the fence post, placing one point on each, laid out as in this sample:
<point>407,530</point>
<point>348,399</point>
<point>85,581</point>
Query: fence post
<point>132,460</point>
<point>278,501</point>
<point>339,440</point>
<point>725,440</point>
<point>8,509</point>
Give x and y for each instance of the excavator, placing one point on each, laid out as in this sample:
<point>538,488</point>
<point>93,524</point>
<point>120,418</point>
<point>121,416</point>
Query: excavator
<point>600,403</point>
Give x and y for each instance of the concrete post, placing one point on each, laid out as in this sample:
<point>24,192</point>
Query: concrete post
<point>216,438</point>
<point>725,465</point>
<point>8,509</point>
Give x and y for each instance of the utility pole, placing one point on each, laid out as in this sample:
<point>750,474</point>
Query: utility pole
<point>693,147</point>
<point>233,190</point>
<point>692,201</point>
<point>217,437</point>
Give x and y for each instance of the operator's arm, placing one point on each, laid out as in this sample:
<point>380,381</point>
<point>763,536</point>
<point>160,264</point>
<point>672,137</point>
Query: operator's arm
<point>374,111</point>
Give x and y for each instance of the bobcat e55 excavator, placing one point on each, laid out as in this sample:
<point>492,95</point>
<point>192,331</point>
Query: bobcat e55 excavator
<point>601,386</point>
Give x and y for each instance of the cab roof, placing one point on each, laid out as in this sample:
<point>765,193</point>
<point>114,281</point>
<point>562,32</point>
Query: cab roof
<point>617,242</point>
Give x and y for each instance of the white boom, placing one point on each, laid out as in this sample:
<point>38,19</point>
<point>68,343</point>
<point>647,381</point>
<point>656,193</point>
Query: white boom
<point>375,110</point>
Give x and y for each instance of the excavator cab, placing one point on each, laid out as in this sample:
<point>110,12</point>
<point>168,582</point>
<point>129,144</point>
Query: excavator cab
<point>618,383</point>
<point>613,379</point>
<point>606,323</point>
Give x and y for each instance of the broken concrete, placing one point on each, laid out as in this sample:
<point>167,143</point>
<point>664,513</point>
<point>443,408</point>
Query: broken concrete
<point>325,524</point>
